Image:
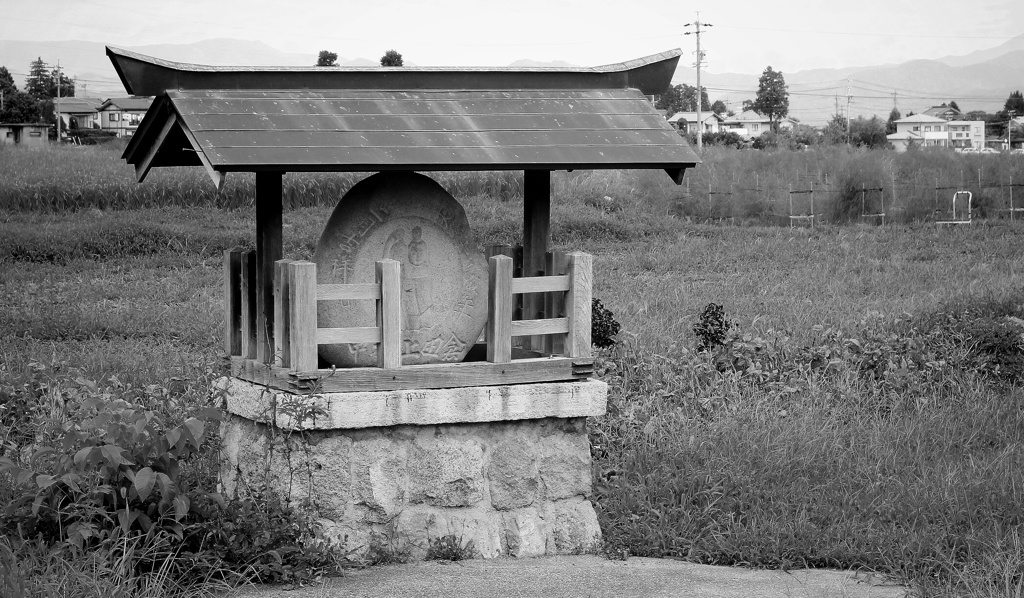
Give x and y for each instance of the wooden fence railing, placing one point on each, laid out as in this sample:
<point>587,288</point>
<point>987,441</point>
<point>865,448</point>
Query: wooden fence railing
<point>560,341</point>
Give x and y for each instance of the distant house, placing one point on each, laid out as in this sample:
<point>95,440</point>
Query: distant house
<point>31,134</point>
<point>687,121</point>
<point>123,115</point>
<point>81,113</point>
<point>749,124</point>
<point>932,131</point>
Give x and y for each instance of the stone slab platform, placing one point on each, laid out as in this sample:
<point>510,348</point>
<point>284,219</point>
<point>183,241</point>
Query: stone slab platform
<point>356,410</point>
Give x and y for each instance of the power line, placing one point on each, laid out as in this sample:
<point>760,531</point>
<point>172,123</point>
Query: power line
<point>864,34</point>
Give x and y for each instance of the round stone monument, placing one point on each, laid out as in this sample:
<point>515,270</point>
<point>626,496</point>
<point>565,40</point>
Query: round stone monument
<point>409,218</point>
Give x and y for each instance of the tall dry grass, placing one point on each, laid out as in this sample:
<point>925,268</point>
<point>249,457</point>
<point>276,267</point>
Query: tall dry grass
<point>740,186</point>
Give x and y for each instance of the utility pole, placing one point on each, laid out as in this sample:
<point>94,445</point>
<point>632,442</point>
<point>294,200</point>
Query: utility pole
<point>1009,129</point>
<point>700,95</point>
<point>849,98</point>
<point>58,101</point>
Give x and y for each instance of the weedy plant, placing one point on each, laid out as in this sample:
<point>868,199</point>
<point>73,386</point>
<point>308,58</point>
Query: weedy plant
<point>450,548</point>
<point>712,327</point>
<point>603,326</point>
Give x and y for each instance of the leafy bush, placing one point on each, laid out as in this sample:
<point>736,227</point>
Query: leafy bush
<point>112,465</point>
<point>712,327</point>
<point>96,471</point>
<point>603,326</point>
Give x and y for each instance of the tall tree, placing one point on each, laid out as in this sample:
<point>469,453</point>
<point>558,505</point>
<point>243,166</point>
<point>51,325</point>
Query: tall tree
<point>19,107</point>
<point>952,104</point>
<point>38,83</point>
<point>772,97</point>
<point>327,58</point>
<point>391,58</point>
<point>747,105</point>
<point>67,85</point>
<point>683,98</point>
<point>890,125</point>
<point>1014,103</point>
<point>719,107</point>
<point>671,100</point>
<point>7,84</point>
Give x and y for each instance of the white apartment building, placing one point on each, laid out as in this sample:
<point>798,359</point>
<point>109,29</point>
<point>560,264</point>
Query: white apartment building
<point>931,131</point>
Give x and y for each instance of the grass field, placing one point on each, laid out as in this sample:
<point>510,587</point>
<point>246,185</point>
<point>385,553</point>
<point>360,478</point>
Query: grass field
<point>866,409</point>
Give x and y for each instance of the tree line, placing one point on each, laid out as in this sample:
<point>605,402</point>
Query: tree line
<point>34,103</point>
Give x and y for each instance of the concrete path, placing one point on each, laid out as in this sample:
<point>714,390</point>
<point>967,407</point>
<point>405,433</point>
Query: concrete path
<point>586,576</point>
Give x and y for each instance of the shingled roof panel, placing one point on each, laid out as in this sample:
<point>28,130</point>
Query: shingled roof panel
<point>343,129</point>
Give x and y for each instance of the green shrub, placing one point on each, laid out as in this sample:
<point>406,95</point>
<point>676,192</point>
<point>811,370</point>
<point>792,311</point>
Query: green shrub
<point>603,326</point>
<point>712,327</point>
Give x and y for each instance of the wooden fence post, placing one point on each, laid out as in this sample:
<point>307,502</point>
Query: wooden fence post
<point>578,304</point>
<point>302,315</point>
<point>248,305</point>
<point>282,330</point>
<point>499,309</point>
<point>233,301</point>
<point>389,314</point>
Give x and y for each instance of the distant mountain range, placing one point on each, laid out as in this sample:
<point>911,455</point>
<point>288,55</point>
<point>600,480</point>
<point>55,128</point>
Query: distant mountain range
<point>980,80</point>
<point>977,81</point>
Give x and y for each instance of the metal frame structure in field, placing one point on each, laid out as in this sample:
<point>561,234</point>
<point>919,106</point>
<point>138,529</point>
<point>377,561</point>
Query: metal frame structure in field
<point>273,120</point>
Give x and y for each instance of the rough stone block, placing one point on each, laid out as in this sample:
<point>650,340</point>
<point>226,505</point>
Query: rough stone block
<point>446,471</point>
<point>565,466</point>
<point>513,476</point>
<point>525,533</point>
<point>379,477</point>
<point>574,526</point>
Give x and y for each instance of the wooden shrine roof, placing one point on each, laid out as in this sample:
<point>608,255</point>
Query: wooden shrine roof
<point>557,124</point>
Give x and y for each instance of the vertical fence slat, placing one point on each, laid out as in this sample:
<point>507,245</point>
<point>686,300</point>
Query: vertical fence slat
<point>248,304</point>
<point>554,302</point>
<point>233,301</point>
<point>499,312</point>
<point>282,344</point>
<point>578,304</point>
<point>302,315</point>
<point>389,314</point>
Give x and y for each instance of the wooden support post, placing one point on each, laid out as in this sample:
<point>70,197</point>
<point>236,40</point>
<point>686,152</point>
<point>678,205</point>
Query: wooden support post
<point>578,304</point>
<point>389,314</point>
<point>268,251</point>
<point>233,301</point>
<point>499,309</point>
<point>302,315</point>
<point>247,301</point>
<point>282,346</point>
<point>536,232</point>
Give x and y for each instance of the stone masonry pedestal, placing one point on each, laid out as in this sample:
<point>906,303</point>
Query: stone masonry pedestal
<point>506,467</point>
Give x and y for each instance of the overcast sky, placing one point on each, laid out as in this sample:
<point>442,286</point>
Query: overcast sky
<point>746,35</point>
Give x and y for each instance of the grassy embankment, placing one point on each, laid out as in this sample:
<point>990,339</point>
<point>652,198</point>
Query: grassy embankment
<point>865,412</point>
